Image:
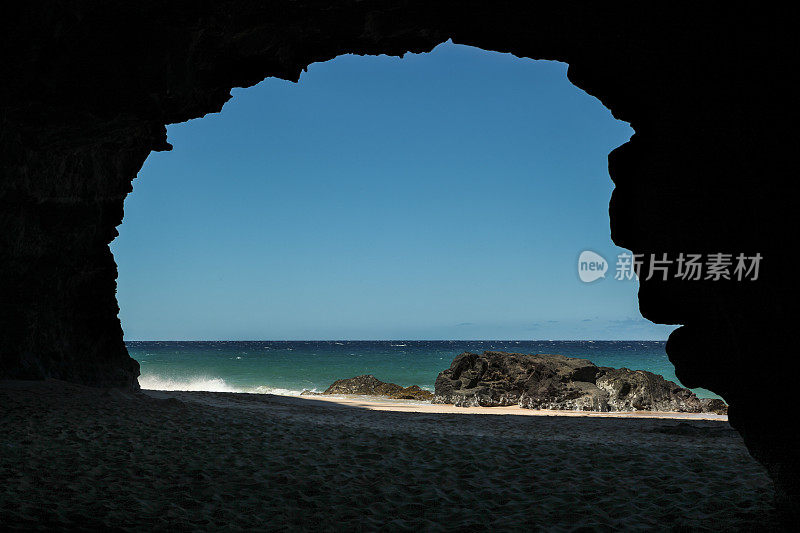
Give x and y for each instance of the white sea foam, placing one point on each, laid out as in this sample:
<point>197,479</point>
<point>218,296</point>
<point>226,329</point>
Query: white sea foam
<point>192,384</point>
<point>276,390</point>
<point>207,384</point>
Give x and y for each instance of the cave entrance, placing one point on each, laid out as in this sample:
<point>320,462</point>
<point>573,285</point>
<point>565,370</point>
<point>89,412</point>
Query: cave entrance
<point>442,196</point>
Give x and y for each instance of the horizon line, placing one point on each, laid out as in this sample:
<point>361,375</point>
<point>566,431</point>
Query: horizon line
<point>395,340</point>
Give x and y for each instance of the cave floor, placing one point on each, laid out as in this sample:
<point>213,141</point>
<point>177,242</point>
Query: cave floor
<point>75,457</point>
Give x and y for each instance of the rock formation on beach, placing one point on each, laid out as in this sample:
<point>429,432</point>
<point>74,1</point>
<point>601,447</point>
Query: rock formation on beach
<point>369,385</point>
<point>546,381</point>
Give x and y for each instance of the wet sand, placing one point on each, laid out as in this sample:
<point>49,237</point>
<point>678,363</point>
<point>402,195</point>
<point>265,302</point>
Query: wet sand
<point>74,457</point>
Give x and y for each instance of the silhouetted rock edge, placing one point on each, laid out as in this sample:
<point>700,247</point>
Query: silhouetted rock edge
<point>369,385</point>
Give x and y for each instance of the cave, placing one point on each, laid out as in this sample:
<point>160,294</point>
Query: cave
<point>89,88</point>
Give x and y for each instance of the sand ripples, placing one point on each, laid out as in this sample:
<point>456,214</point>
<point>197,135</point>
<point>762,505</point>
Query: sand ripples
<point>72,457</point>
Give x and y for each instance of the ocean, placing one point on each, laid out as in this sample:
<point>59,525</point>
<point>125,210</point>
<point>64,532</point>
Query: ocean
<point>289,367</point>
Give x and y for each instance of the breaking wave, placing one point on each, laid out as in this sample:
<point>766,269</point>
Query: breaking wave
<point>207,384</point>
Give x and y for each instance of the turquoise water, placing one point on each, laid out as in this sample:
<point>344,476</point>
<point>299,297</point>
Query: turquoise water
<point>288,367</point>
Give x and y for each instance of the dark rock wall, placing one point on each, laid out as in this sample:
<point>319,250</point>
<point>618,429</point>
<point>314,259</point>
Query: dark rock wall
<point>87,87</point>
<point>59,209</point>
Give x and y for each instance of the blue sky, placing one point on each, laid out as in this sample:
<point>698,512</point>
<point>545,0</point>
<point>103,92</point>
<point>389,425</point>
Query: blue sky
<point>439,196</point>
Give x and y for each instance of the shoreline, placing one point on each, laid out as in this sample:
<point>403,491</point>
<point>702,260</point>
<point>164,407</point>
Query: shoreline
<point>410,406</point>
<point>425,407</point>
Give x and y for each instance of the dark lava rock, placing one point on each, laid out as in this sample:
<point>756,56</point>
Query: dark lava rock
<point>369,385</point>
<point>414,392</point>
<point>547,381</point>
<point>714,405</point>
<point>638,390</point>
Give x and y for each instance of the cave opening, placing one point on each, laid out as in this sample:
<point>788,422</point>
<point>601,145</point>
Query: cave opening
<point>88,97</point>
<point>438,196</point>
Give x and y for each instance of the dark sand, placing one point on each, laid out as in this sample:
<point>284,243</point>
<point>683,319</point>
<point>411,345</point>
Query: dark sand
<point>73,457</point>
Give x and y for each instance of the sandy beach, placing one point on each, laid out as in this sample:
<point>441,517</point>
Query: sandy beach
<point>75,457</point>
<point>426,407</point>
